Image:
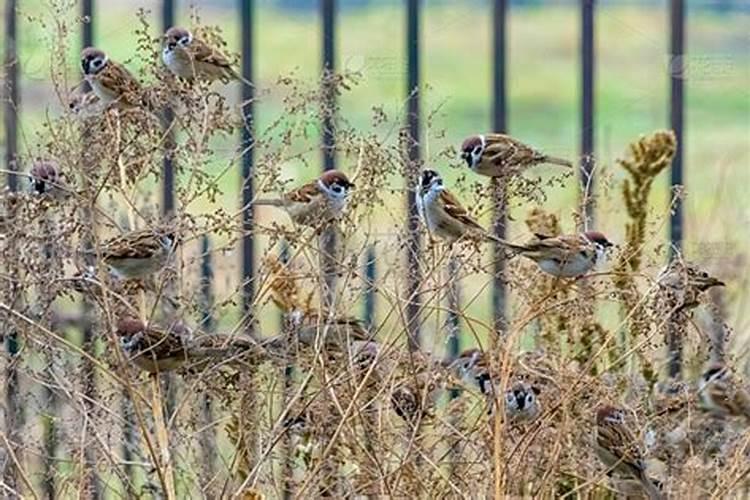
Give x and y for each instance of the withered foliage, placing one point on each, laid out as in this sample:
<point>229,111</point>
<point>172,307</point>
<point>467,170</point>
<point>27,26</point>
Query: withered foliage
<point>336,406</point>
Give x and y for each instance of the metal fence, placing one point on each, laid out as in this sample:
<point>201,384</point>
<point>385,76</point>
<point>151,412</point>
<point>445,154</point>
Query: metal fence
<point>328,20</point>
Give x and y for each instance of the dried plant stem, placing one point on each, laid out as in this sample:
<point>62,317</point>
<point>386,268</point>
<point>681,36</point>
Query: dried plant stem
<point>163,457</point>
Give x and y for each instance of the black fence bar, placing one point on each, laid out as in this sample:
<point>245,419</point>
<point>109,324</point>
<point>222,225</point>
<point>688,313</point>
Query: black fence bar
<point>676,107</point>
<point>588,162</point>
<point>328,18</point>
<point>499,124</point>
<point>167,21</point>
<point>412,173</point>
<point>89,381</point>
<point>208,437</point>
<point>370,275</point>
<point>328,237</point>
<point>10,100</point>
<point>454,313</point>
<point>287,468</point>
<point>247,145</point>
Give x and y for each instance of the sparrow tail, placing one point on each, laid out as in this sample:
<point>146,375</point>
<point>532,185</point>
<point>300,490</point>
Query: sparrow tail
<point>269,202</point>
<point>512,247</point>
<point>558,161</point>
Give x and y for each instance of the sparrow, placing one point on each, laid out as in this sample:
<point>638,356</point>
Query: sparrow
<point>617,448</point>
<point>138,254</point>
<point>521,403</point>
<point>110,81</point>
<point>47,180</point>
<point>565,256</point>
<point>721,395</point>
<point>316,203</point>
<point>154,349</point>
<point>471,367</point>
<point>443,214</point>
<point>335,332</point>
<point>499,155</point>
<point>186,57</point>
<point>684,282</point>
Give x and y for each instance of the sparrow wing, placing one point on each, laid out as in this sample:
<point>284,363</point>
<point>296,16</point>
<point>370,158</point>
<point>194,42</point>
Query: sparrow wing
<point>620,443</point>
<point>159,344</point>
<point>118,79</point>
<point>140,244</point>
<point>304,194</point>
<point>729,397</point>
<point>202,53</point>
<point>453,208</point>
<point>505,151</point>
<point>559,248</point>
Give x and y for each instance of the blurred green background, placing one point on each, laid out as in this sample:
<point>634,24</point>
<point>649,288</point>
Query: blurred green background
<point>632,94</point>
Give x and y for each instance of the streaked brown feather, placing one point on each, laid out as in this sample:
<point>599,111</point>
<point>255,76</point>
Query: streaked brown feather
<point>453,208</point>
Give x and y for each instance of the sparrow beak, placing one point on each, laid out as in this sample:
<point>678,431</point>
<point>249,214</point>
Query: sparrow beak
<point>710,282</point>
<point>171,45</point>
<point>466,156</point>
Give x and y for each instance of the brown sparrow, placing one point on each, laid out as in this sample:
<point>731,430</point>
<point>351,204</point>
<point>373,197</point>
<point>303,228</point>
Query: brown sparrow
<point>443,214</point>
<point>47,180</point>
<point>187,57</point>
<point>684,282</point>
<point>110,81</point>
<point>618,449</point>
<point>154,349</point>
<point>336,331</point>
<point>138,254</point>
<point>316,203</point>
<point>498,155</point>
<point>565,256</point>
<point>723,396</point>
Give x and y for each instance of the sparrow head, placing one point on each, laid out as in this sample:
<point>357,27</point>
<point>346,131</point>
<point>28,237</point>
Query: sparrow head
<point>44,176</point>
<point>597,239</point>
<point>93,60</point>
<point>335,183</point>
<point>715,371</point>
<point>128,327</point>
<point>521,397</point>
<point>472,149</point>
<point>177,37</point>
<point>430,180</point>
<point>609,415</point>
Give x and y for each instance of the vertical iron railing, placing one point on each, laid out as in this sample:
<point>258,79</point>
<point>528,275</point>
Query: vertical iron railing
<point>370,276</point>
<point>676,106</point>
<point>248,147</point>
<point>328,236</point>
<point>676,76</point>
<point>588,162</point>
<point>89,381</point>
<point>288,458</point>
<point>167,21</point>
<point>412,173</point>
<point>499,124</point>
<point>10,108</point>
<point>208,437</point>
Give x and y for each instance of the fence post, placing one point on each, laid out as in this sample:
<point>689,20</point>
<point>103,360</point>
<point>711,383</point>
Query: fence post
<point>89,380</point>
<point>167,21</point>
<point>676,75</point>
<point>370,277</point>
<point>328,237</point>
<point>588,162</point>
<point>288,460</point>
<point>10,100</point>
<point>412,174</point>
<point>208,437</point>
<point>248,147</point>
<point>499,195</point>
